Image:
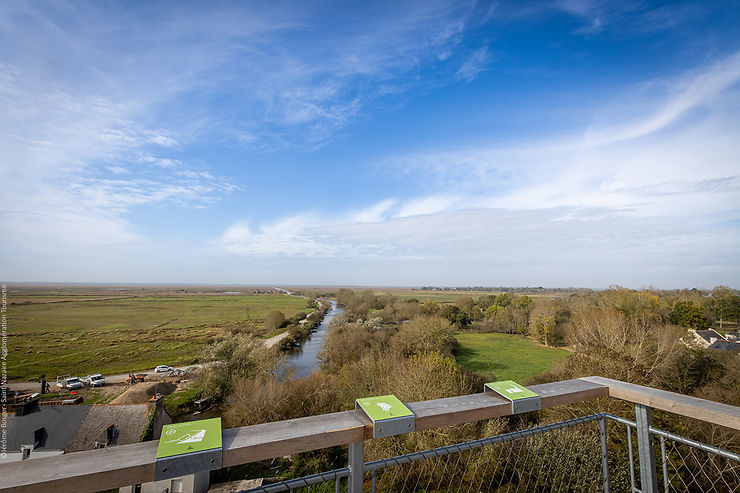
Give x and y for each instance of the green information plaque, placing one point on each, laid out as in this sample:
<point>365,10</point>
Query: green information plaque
<point>389,415</point>
<point>522,399</point>
<point>186,448</point>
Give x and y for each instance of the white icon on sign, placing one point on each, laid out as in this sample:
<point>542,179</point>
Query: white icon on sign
<point>171,431</point>
<point>385,407</point>
<point>190,438</point>
<point>513,390</point>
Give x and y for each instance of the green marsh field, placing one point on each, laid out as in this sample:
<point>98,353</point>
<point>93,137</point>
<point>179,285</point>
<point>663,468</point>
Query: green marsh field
<point>505,356</point>
<point>82,333</point>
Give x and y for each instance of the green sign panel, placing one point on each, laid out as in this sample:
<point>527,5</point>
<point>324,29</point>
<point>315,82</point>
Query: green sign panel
<point>384,407</point>
<point>193,436</point>
<point>511,390</point>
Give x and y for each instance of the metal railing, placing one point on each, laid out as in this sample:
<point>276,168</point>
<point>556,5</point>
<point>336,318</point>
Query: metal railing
<point>572,455</point>
<point>575,455</point>
<point>682,464</point>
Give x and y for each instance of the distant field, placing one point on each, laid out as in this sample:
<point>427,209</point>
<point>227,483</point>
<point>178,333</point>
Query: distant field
<point>436,296</point>
<point>448,296</point>
<point>120,335</point>
<point>504,356</point>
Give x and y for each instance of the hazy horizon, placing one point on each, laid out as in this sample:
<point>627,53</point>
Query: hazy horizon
<point>573,143</point>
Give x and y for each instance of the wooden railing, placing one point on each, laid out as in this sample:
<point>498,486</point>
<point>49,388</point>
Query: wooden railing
<point>124,465</point>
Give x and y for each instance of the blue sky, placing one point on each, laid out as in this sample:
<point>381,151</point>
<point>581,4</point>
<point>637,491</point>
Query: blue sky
<point>572,143</point>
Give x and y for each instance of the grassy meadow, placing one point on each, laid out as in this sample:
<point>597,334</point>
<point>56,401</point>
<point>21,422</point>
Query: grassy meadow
<point>84,334</point>
<point>505,356</point>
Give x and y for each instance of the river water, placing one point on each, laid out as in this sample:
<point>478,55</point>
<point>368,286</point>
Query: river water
<point>304,359</point>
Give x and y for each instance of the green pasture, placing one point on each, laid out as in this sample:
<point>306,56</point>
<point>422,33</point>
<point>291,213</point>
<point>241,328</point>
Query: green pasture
<point>121,335</point>
<point>505,356</point>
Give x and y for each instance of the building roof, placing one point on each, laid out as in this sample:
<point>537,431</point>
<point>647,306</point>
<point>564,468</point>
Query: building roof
<point>707,335</point>
<point>726,346</point>
<point>59,422</point>
<point>129,419</point>
<point>76,428</point>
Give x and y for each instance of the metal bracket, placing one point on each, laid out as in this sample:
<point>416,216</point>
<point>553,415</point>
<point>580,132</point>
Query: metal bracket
<point>387,423</point>
<point>519,405</point>
<point>186,464</point>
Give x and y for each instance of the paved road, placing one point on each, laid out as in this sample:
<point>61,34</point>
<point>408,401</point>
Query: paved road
<point>108,379</point>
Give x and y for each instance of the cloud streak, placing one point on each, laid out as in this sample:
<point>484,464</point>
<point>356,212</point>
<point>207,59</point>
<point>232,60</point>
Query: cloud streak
<point>661,194</point>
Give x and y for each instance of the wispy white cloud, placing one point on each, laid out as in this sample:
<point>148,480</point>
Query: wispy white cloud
<point>427,205</point>
<point>473,65</point>
<point>688,93</point>
<point>130,106</point>
<point>673,143</point>
<point>76,165</point>
<point>294,236</point>
<point>375,213</point>
<point>629,204</point>
<point>600,15</point>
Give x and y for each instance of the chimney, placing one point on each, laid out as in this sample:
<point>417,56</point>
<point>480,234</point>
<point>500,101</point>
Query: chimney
<point>155,402</point>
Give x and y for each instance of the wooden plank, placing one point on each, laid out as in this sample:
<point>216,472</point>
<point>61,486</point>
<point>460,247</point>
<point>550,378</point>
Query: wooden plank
<point>108,468</point>
<point>693,407</point>
<point>91,470</point>
<point>123,465</point>
<point>476,407</point>
<point>265,441</point>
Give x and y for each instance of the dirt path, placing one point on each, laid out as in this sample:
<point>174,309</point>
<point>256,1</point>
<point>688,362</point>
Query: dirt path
<point>141,392</point>
<point>276,339</point>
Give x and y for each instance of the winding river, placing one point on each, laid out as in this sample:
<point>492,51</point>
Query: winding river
<point>305,358</point>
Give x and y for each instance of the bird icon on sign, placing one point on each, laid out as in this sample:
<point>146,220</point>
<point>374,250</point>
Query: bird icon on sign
<point>385,407</point>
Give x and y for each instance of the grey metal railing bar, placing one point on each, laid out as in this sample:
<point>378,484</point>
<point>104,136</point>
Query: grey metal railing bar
<point>426,454</point>
<point>604,454</point>
<point>645,449</point>
<point>459,447</point>
<point>664,463</point>
<point>516,436</point>
<point>305,481</point>
<point>678,438</point>
<point>693,443</point>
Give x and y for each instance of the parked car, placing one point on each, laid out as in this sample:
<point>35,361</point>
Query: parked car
<point>70,383</point>
<point>96,380</point>
<point>164,369</point>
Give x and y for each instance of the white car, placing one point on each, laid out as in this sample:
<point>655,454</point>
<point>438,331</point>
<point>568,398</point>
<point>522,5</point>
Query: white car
<point>163,369</point>
<point>96,380</point>
<point>71,383</point>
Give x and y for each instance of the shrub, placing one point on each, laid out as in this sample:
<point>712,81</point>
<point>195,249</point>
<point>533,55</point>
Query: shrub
<point>424,334</point>
<point>273,321</point>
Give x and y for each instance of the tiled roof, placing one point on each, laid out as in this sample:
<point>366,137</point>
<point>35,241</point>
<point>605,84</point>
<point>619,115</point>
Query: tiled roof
<point>59,422</point>
<point>129,419</point>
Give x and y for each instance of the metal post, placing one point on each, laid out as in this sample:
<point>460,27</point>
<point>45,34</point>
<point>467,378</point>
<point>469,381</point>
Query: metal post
<point>356,466</point>
<point>664,463</point>
<point>604,455</point>
<point>646,452</point>
<point>631,460</point>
